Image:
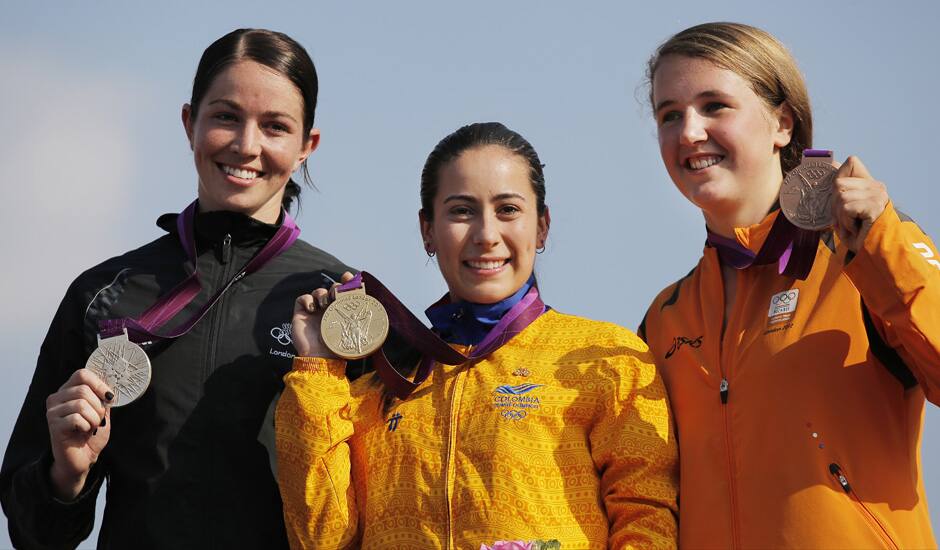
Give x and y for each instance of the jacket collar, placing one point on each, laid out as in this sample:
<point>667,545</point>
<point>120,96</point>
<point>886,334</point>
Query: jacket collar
<point>467,323</point>
<point>752,237</point>
<point>212,227</point>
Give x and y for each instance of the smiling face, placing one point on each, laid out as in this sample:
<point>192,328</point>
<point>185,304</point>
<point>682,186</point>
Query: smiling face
<point>485,227</point>
<point>719,141</point>
<point>247,139</point>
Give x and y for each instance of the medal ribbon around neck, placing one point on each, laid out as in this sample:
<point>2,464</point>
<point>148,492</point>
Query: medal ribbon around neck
<point>793,249</point>
<point>431,346</point>
<point>144,328</point>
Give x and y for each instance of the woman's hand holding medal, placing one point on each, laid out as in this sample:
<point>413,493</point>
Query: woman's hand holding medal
<point>78,416</point>
<point>308,311</point>
<point>857,201</point>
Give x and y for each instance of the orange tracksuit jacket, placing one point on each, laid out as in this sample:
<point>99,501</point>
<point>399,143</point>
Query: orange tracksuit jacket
<point>563,433</point>
<point>813,443</point>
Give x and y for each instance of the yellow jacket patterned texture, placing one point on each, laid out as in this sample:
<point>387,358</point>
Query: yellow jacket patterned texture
<point>563,433</point>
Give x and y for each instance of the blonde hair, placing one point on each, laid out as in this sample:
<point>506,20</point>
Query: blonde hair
<point>758,58</point>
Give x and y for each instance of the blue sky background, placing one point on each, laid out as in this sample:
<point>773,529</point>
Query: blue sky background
<point>93,148</point>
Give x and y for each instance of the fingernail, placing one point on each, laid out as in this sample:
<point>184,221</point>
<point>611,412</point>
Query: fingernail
<point>108,396</point>
<point>104,421</point>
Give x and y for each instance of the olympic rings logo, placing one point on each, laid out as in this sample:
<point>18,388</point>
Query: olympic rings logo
<point>513,415</point>
<point>282,334</point>
<point>784,297</point>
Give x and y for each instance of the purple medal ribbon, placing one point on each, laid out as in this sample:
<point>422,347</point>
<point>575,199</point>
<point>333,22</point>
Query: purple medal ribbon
<point>143,329</point>
<point>793,249</point>
<point>431,346</point>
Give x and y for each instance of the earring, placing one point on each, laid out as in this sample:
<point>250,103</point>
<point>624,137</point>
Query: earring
<point>430,253</point>
<point>427,249</point>
<point>540,249</point>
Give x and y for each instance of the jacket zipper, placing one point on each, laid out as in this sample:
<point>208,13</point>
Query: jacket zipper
<point>451,442</point>
<point>876,525</point>
<point>724,388</point>
<point>216,320</point>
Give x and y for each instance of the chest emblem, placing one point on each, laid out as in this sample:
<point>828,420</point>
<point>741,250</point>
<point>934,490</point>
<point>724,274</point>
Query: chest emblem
<point>282,334</point>
<point>516,402</point>
<point>783,306</point>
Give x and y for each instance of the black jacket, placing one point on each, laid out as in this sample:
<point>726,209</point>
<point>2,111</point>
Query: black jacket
<point>187,464</point>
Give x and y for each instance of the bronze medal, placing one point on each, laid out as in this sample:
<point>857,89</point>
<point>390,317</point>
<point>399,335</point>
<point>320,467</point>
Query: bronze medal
<point>123,366</point>
<point>355,325</point>
<point>806,194</point>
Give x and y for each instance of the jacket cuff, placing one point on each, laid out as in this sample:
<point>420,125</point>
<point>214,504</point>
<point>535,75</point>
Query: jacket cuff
<point>43,518</point>
<point>321,365</point>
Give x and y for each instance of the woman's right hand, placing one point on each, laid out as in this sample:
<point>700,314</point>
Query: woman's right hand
<point>308,311</point>
<point>78,416</point>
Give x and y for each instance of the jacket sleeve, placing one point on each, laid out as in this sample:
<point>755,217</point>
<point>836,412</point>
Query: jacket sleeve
<point>36,519</point>
<point>635,452</point>
<point>897,272</point>
<point>313,426</point>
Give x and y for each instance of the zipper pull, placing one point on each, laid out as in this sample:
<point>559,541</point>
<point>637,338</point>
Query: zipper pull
<point>227,248</point>
<point>835,470</point>
<point>723,390</point>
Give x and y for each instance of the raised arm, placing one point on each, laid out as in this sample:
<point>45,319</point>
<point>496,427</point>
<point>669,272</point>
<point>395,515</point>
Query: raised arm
<point>50,479</point>
<point>313,424</point>
<point>896,269</point>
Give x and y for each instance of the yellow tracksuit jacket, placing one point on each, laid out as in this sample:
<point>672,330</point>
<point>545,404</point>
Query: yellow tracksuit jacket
<point>813,443</point>
<point>563,433</point>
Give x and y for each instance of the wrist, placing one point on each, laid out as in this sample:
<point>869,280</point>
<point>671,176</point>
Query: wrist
<point>66,486</point>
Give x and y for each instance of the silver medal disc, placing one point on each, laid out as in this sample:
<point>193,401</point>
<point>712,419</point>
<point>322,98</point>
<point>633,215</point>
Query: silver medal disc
<point>123,366</point>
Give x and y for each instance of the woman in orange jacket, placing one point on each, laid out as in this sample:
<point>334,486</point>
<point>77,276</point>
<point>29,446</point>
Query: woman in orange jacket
<point>562,432</point>
<point>797,360</point>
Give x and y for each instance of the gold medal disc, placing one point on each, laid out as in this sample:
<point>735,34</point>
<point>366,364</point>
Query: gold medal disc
<point>355,325</point>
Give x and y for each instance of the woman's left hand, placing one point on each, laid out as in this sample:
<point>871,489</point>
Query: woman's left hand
<point>857,201</point>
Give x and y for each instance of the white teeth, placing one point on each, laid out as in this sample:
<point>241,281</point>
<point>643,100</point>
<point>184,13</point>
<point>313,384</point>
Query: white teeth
<point>485,265</point>
<point>704,162</point>
<point>239,173</point>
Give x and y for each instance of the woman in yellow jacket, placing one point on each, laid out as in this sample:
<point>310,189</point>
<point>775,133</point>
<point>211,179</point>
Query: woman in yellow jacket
<point>797,362</point>
<point>561,433</point>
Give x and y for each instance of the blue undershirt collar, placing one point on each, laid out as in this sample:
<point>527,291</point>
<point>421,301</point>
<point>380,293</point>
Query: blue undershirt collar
<point>466,323</point>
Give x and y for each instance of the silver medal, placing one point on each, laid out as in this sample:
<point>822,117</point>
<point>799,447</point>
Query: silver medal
<point>123,366</point>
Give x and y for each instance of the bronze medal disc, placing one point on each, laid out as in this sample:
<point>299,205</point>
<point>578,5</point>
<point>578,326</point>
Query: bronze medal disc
<point>355,325</point>
<point>123,366</point>
<point>806,195</point>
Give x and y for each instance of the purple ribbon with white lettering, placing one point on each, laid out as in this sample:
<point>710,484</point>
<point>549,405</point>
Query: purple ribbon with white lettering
<point>144,328</point>
<point>431,346</point>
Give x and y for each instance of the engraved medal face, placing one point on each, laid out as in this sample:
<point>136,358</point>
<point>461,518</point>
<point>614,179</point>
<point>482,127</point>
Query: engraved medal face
<point>355,325</point>
<point>123,366</point>
<point>806,195</point>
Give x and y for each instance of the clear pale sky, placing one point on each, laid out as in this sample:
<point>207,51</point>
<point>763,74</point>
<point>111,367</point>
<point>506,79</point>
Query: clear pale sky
<point>93,149</point>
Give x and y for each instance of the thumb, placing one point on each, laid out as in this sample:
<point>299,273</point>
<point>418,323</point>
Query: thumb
<point>853,168</point>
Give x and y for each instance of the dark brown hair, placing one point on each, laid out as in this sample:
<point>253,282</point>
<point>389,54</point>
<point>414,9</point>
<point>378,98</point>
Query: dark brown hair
<point>274,50</point>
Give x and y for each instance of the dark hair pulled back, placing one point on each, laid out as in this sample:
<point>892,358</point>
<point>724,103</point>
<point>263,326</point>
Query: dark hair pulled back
<point>479,134</point>
<point>274,50</point>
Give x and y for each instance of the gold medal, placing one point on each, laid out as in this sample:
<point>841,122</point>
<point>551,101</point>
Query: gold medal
<point>123,366</point>
<point>355,325</point>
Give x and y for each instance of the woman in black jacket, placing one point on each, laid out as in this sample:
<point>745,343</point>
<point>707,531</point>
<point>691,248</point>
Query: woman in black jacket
<point>186,462</point>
